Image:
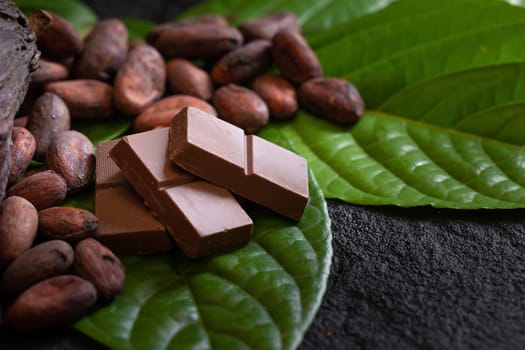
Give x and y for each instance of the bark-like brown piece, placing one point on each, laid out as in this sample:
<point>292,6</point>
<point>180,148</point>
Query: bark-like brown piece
<point>44,189</point>
<point>186,78</point>
<point>241,107</point>
<point>267,26</point>
<point>140,80</point>
<point>19,58</point>
<point>60,40</point>
<point>104,51</point>
<point>243,64</point>
<point>22,152</point>
<point>68,224</point>
<point>278,93</point>
<point>48,72</point>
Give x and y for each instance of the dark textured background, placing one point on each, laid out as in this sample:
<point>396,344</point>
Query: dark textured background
<point>417,278</point>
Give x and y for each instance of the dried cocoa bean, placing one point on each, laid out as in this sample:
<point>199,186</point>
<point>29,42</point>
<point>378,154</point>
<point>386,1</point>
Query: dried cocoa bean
<point>186,78</point>
<point>48,117</point>
<point>244,63</point>
<point>140,80</point>
<point>52,302</point>
<point>85,98</point>
<point>60,40</point>
<point>72,155</point>
<point>241,107</point>
<point>198,41</point>
<point>294,57</point>
<point>22,152</point>
<point>105,50</point>
<point>43,261</point>
<point>44,189</point>
<point>100,266</point>
<point>162,112</point>
<point>278,94</point>
<point>18,226</point>
<point>332,98</point>
<point>266,27</point>
<point>47,72</point>
<point>68,224</point>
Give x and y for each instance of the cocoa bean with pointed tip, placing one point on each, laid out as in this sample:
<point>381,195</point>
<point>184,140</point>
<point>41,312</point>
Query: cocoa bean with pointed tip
<point>60,40</point>
<point>47,72</point>
<point>44,189</point>
<point>66,223</point>
<point>186,78</point>
<point>278,93</point>
<point>267,26</point>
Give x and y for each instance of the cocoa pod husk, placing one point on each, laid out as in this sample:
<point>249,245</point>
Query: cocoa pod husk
<point>68,224</point>
<point>44,189</point>
<point>47,72</point>
<point>60,40</point>
<point>100,266</point>
<point>72,155</point>
<point>278,94</point>
<point>186,78</point>
<point>267,26</point>
<point>163,111</point>
<point>43,261</point>
<point>334,99</point>
<point>18,227</point>
<point>22,152</point>
<point>53,302</point>
<point>241,107</point>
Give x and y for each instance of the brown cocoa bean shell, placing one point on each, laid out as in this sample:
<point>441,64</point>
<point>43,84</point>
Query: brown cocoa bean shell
<point>100,266</point>
<point>60,40</point>
<point>72,155</point>
<point>105,49</point>
<point>68,224</point>
<point>18,227</point>
<point>43,261</point>
<point>53,302</point>
<point>332,98</point>
<point>140,80</point>
<point>241,107</point>
<point>22,152</point>
<point>49,116</point>
<point>241,65</point>
<point>267,26</point>
<point>294,57</point>
<point>186,78</point>
<point>162,112</point>
<point>278,94</point>
<point>44,189</point>
<point>198,41</point>
<point>85,98</point>
<point>47,72</point>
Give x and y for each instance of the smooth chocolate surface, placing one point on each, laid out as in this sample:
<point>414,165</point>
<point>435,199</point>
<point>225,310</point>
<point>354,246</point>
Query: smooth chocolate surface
<point>203,218</point>
<point>126,226</point>
<point>248,165</point>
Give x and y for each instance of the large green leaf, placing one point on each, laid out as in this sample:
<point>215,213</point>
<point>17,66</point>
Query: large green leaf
<point>260,297</point>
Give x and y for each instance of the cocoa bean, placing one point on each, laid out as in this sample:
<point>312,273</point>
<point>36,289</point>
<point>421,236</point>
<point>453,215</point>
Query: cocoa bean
<point>244,63</point>
<point>72,155</point>
<point>52,302</point>
<point>85,98</point>
<point>278,94</point>
<point>43,261</point>
<point>18,226</point>
<point>100,266</point>
<point>332,98</point>
<point>22,152</point>
<point>105,50</point>
<point>294,57</point>
<point>198,41</point>
<point>68,224</point>
<point>162,112</point>
<point>267,26</point>
<point>140,80</point>
<point>48,117</point>
<point>186,78</point>
<point>60,40</point>
<point>44,189</point>
<point>241,107</point>
<point>47,72</point>
<point>21,122</point>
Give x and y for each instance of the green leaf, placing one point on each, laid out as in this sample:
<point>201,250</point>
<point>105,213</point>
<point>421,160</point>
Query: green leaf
<point>81,16</point>
<point>262,296</point>
<point>137,28</point>
<point>102,130</point>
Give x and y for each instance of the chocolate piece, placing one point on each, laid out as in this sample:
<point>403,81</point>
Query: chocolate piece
<point>204,219</point>
<point>125,224</point>
<point>248,165</point>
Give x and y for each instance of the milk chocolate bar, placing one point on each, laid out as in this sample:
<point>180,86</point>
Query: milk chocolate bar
<point>250,166</point>
<point>202,218</point>
<point>126,226</point>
